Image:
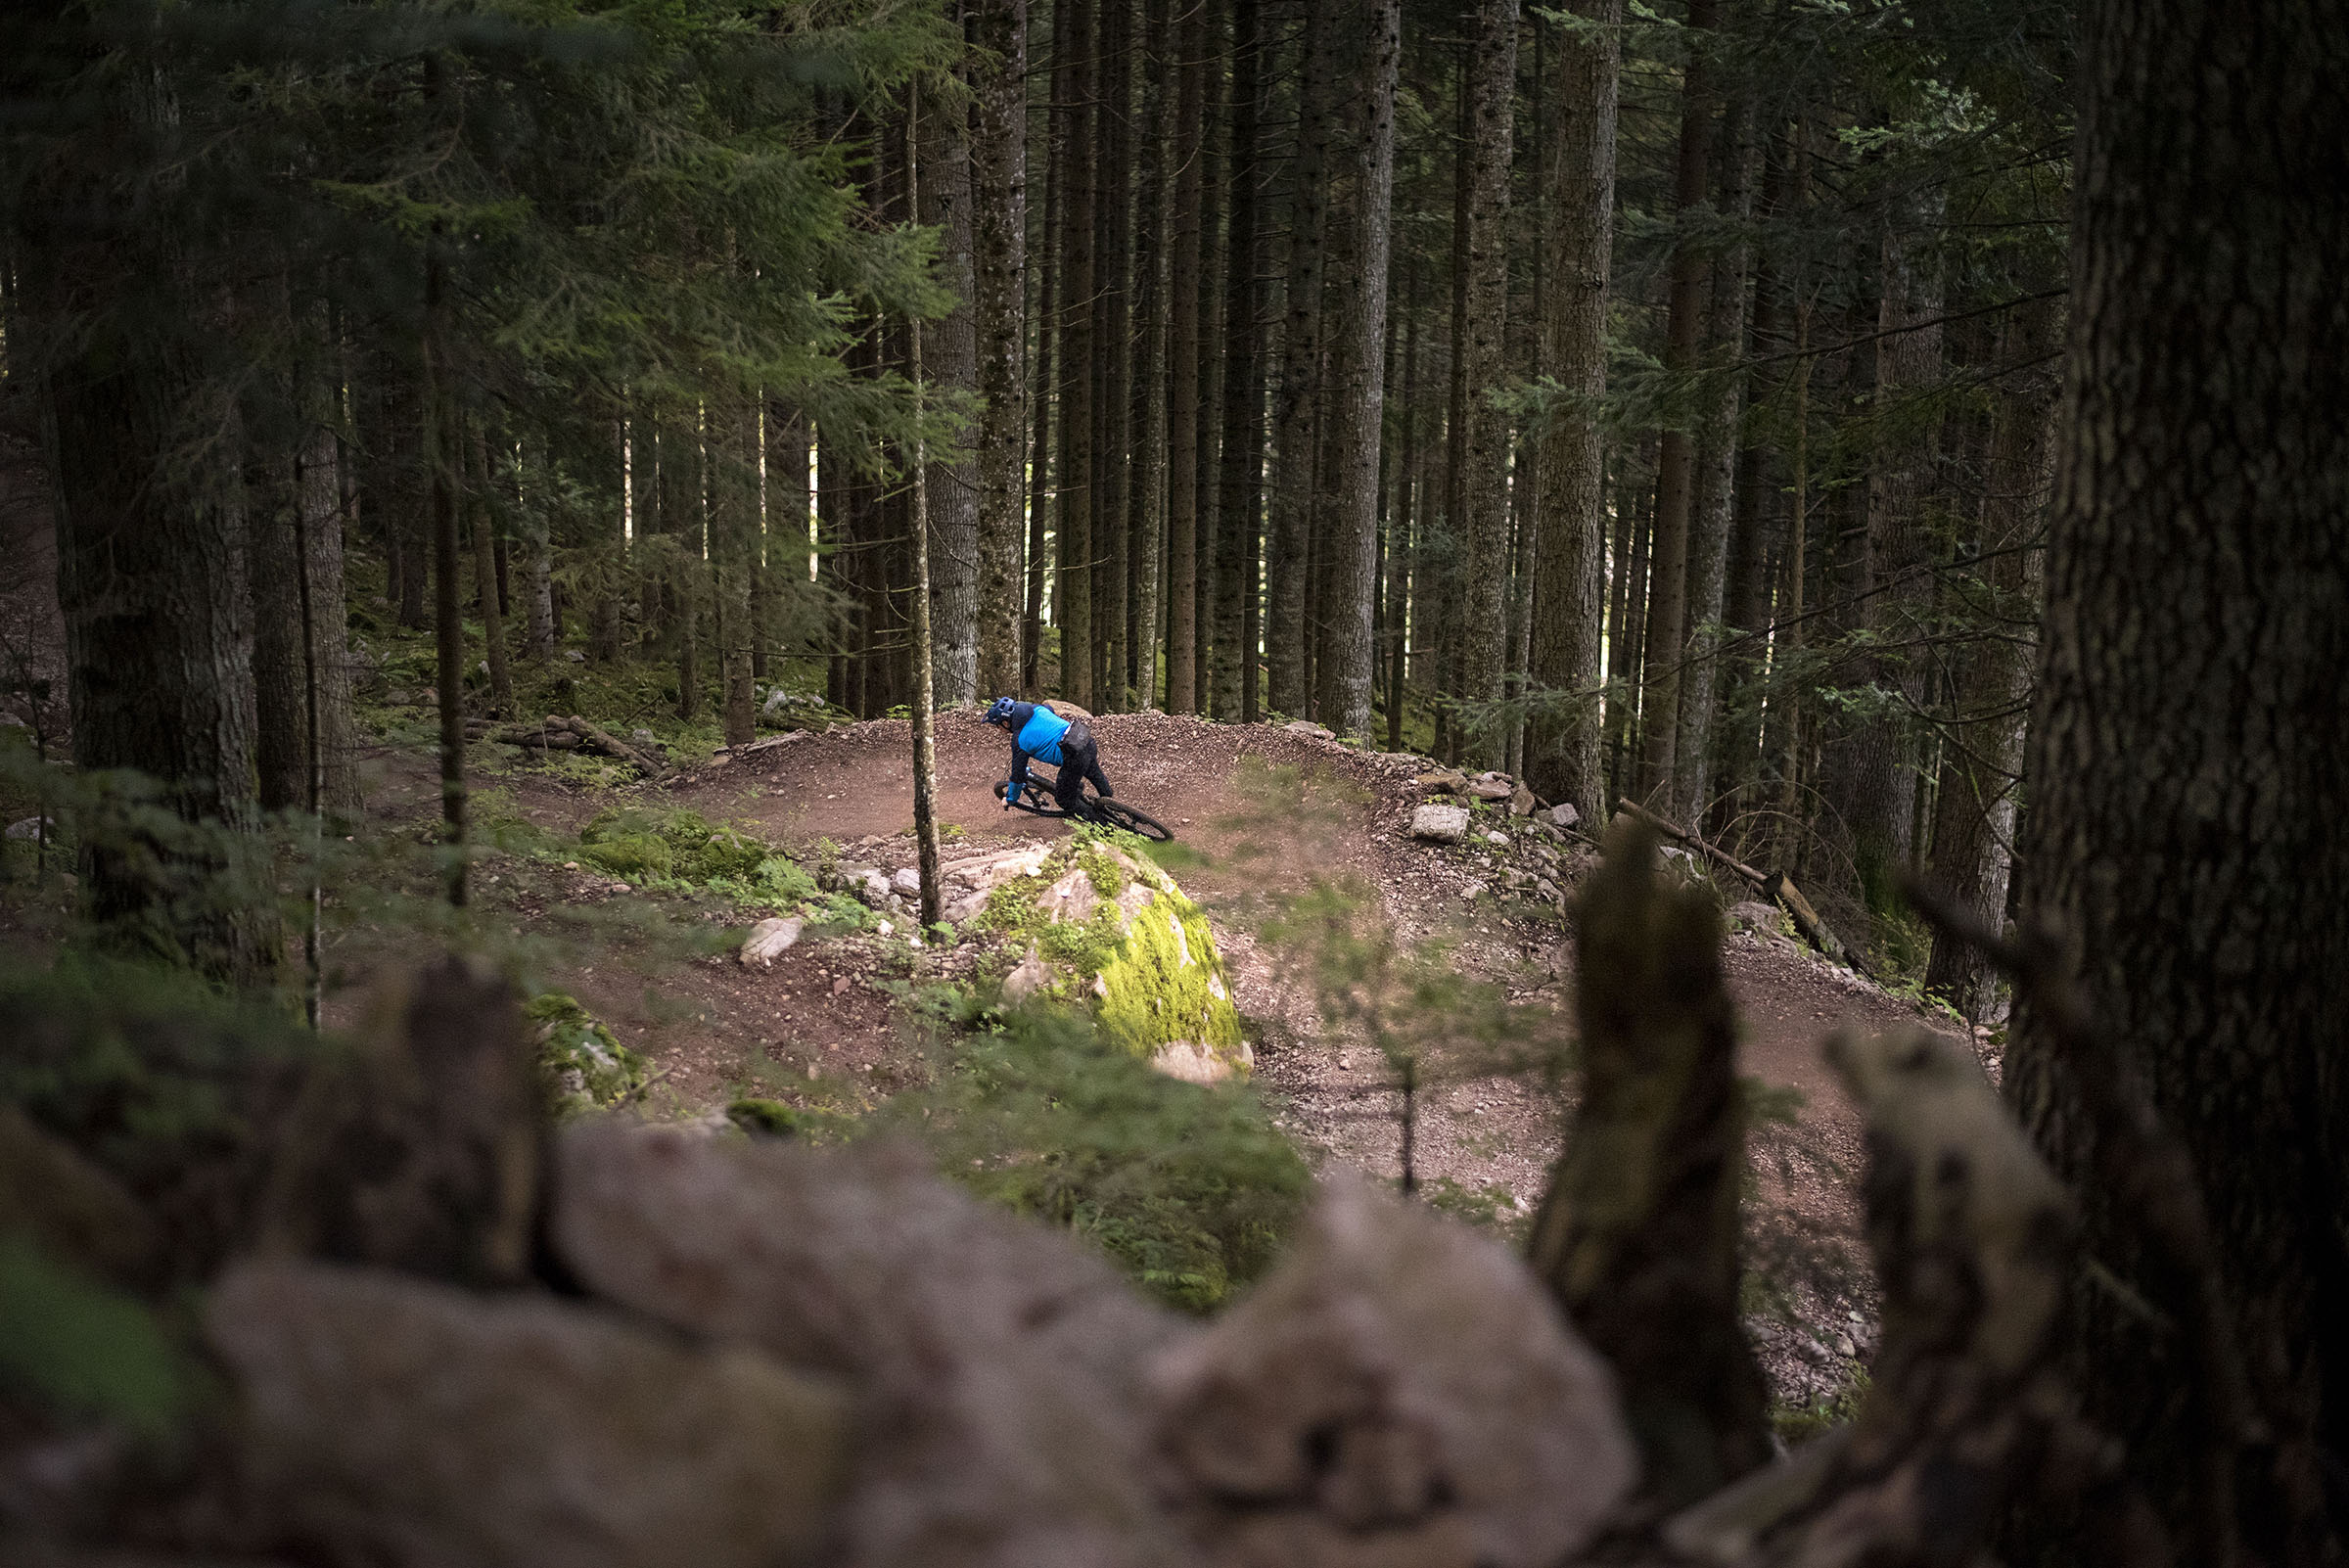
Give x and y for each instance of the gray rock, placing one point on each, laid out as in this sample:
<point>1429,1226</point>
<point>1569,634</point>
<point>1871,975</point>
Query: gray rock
<point>1491,789</point>
<point>1442,781</point>
<point>1307,728</point>
<point>1472,891</point>
<point>1072,897</point>
<point>1563,815</point>
<point>769,939</point>
<point>908,880</point>
<point>1498,841</point>
<point>404,1421</point>
<point>30,828</point>
<point>1521,802</point>
<point>1030,976</point>
<point>1400,1389</point>
<point>870,887</point>
<point>999,1362</point>
<point>1753,915</point>
<point>1549,890</point>
<point>641,736</point>
<point>573,656</point>
<point>965,907</point>
<point>1440,824</point>
<point>1194,1063</point>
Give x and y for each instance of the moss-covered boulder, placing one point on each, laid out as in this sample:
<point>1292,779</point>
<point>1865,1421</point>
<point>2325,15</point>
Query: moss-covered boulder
<point>582,1064</point>
<point>1103,927</point>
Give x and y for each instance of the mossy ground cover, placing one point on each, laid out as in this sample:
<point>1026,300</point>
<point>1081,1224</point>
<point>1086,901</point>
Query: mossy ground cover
<point>582,1061</point>
<point>1153,977</point>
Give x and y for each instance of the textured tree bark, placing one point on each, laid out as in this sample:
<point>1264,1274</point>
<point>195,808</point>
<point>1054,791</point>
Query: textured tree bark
<point>1676,455</point>
<point>1482,524</point>
<point>158,636</point>
<point>1113,353</point>
<point>1402,532</point>
<point>1074,80</point>
<point>280,699</point>
<point>485,576</point>
<point>1049,377</point>
<point>1973,812</point>
<point>1715,465</point>
<point>318,485</point>
<point>2187,794</point>
<point>1562,746</point>
<point>1148,502</point>
<point>952,349</point>
<point>1872,801</point>
<point>443,449</point>
<point>1239,479</point>
<point>999,260</point>
<point>1215,209</point>
<point>1184,272</point>
<point>1357,355</point>
<point>1296,400</point>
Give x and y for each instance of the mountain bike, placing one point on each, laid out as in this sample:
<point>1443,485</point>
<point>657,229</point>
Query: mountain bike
<point>1037,801</point>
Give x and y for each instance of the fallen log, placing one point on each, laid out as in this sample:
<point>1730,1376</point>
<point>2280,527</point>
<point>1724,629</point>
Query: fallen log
<point>1775,885</point>
<point>573,734</point>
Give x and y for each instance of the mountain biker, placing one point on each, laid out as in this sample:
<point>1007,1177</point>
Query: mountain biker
<point>1040,733</point>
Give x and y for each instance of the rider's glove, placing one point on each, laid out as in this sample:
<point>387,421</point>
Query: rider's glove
<point>1011,793</point>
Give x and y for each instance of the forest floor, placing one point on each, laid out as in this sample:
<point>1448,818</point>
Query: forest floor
<point>1262,814</point>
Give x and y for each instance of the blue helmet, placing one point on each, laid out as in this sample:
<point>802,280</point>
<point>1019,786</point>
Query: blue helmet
<point>998,711</point>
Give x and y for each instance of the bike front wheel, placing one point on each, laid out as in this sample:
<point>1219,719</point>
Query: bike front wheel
<point>1118,814</point>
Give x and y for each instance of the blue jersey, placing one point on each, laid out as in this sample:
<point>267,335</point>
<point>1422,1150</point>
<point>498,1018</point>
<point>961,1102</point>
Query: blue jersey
<point>1036,733</point>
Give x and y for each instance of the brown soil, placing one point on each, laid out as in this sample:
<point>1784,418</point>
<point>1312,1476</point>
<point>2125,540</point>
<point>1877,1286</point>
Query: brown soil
<point>1260,815</point>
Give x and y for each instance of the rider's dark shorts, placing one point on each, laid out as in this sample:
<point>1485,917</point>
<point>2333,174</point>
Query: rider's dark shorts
<point>1080,760</point>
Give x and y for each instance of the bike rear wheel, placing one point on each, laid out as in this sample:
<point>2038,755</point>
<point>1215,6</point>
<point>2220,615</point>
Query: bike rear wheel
<point>1118,814</point>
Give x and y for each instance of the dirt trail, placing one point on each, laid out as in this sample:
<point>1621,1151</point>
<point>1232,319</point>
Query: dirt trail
<point>1260,813</point>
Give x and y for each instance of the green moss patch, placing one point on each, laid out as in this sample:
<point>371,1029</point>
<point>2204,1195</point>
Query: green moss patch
<point>581,1063</point>
<point>1144,957</point>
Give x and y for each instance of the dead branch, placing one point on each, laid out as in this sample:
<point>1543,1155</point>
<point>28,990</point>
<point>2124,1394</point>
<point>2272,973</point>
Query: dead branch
<point>1775,885</point>
<point>1637,1235</point>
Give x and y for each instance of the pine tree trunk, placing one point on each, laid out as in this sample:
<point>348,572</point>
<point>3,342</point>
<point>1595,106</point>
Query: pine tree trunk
<point>1113,353</point>
<point>1182,363</point>
<point>1150,434</point>
<point>2187,795</point>
<point>318,487</point>
<point>1875,786</point>
<point>1215,207</point>
<point>280,699</point>
<point>1974,805</point>
<point>1563,761</point>
<point>1297,402</point>
<point>1402,545</point>
<point>1239,479</point>
<point>443,450</point>
<point>999,263</point>
<point>733,457</point>
<point>485,578</point>
<point>1675,459</point>
<point>1074,76</point>
<point>1048,379</point>
<point>952,347</point>
<point>1450,541</point>
<point>1485,449</point>
<point>1356,386</point>
<point>1716,466</point>
<point>159,639</point>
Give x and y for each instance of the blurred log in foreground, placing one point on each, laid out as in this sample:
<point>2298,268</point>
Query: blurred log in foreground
<point>1637,1235</point>
<point>1973,1243</point>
